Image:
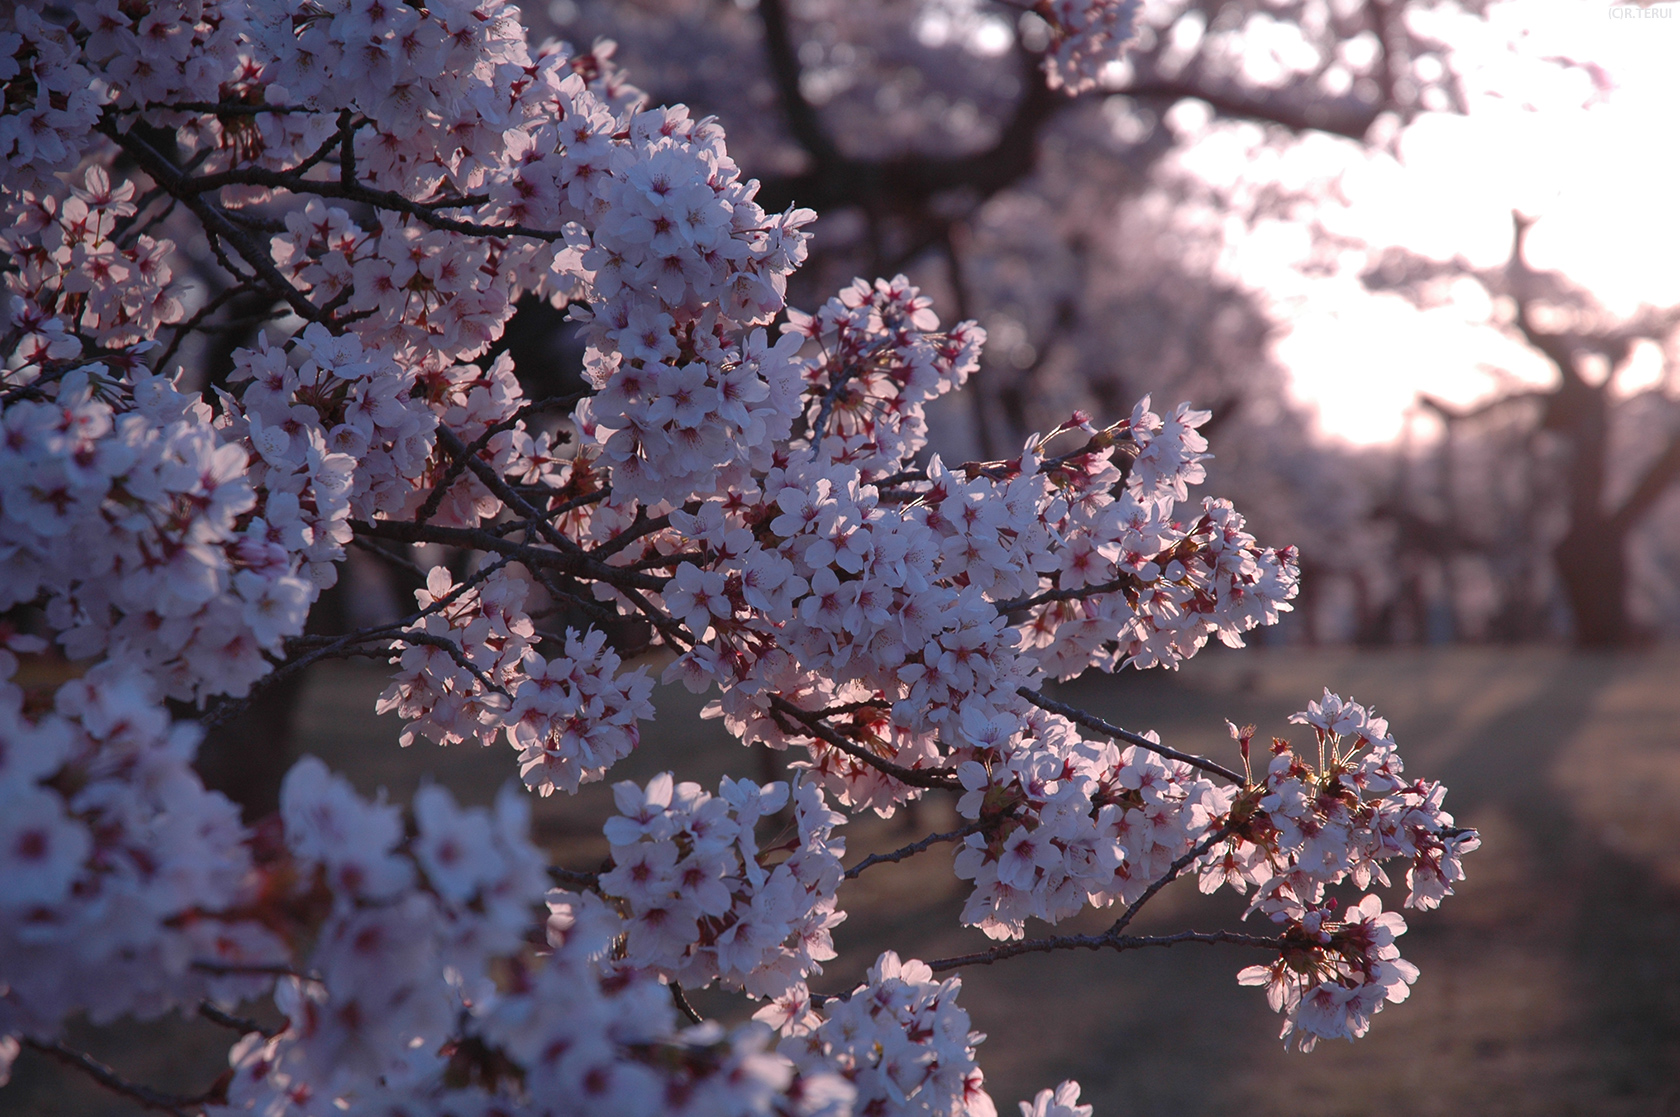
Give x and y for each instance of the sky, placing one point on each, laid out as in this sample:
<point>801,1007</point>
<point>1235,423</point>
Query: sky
<point>1599,170</point>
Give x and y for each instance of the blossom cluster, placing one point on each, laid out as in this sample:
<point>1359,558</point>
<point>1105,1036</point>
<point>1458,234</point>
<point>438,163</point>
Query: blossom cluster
<point>465,648</point>
<point>409,70</point>
<point>1067,823</point>
<point>423,996</point>
<point>879,359</point>
<point>684,267</point>
<point>1336,974</point>
<point>78,269</point>
<point>1304,827</point>
<point>471,670</point>
<point>575,716</point>
<point>131,518</point>
<point>51,100</point>
<point>921,601</point>
<point>118,865</point>
<point>1062,823</point>
<point>902,1041</point>
<point>321,399</point>
<point>704,903</point>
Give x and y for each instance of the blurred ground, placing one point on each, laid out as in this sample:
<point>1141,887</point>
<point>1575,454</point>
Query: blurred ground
<point>1551,983</point>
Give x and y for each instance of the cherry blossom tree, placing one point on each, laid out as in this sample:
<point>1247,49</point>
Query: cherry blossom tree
<point>381,184</point>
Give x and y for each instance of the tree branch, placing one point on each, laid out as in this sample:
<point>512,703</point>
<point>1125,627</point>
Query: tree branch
<point>1124,582</point>
<point>144,1096</point>
<point>215,221</point>
<point>913,848</point>
<point>1091,721</point>
<point>1315,116</point>
<point>933,778</point>
<point>1169,876</point>
<point>240,1024</point>
<point>578,565</point>
<point>1658,477</point>
<point>907,182</point>
<point>801,116</point>
<point>1108,940</point>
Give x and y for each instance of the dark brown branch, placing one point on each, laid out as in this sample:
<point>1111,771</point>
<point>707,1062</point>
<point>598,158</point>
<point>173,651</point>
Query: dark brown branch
<point>1658,477</point>
<point>144,1096</point>
<point>241,1024</point>
<point>1311,116</point>
<point>453,650</point>
<point>1091,721</point>
<point>426,212</point>
<point>1105,941</point>
<point>1125,581</point>
<point>642,527</point>
<point>198,318</point>
<point>1168,877</point>
<point>216,223</point>
<point>801,116</point>
<point>814,726</point>
<point>573,877</point>
<point>504,492</point>
<point>913,848</point>
<point>578,565</point>
<point>1453,413</point>
<point>350,644</point>
<point>907,182</point>
<point>681,1001</point>
<point>401,562</point>
<point>252,969</point>
<point>457,465</point>
<point>222,108</point>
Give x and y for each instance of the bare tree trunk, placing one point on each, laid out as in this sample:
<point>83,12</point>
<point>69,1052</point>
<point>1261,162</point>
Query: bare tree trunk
<point>1592,565</point>
<point>1592,556</point>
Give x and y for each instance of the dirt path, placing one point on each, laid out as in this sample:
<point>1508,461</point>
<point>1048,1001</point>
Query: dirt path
<point>1551,983</point>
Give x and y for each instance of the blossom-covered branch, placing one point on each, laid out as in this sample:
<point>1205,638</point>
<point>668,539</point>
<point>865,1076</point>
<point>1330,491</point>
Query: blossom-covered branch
<point>377,186</point>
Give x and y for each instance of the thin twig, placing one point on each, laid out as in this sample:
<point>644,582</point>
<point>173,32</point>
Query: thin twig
<point>575,563</point>
<point>197,320</point>
<point>498,486</point>
<point>401,562</point>
<point>144,1096</point>
<point>1169,876</point>
<point>220,108</point>
<point>1125,581</point>
<point>936,778</point>
<point>574,877</point>
<point>913,848</point>
<point>1108,940</point>
<point>241,1024</point>
<point>252,969</point>
<point>453,650</point>
<point>352,191</point>
<point>1091,721</point>
<point>216,223</point>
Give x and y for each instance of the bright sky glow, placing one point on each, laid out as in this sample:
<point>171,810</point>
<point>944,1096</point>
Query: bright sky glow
<point>1600,176</point>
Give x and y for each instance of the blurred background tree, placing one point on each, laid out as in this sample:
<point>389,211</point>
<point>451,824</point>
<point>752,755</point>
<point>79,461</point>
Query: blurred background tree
<point>1574,470</point>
